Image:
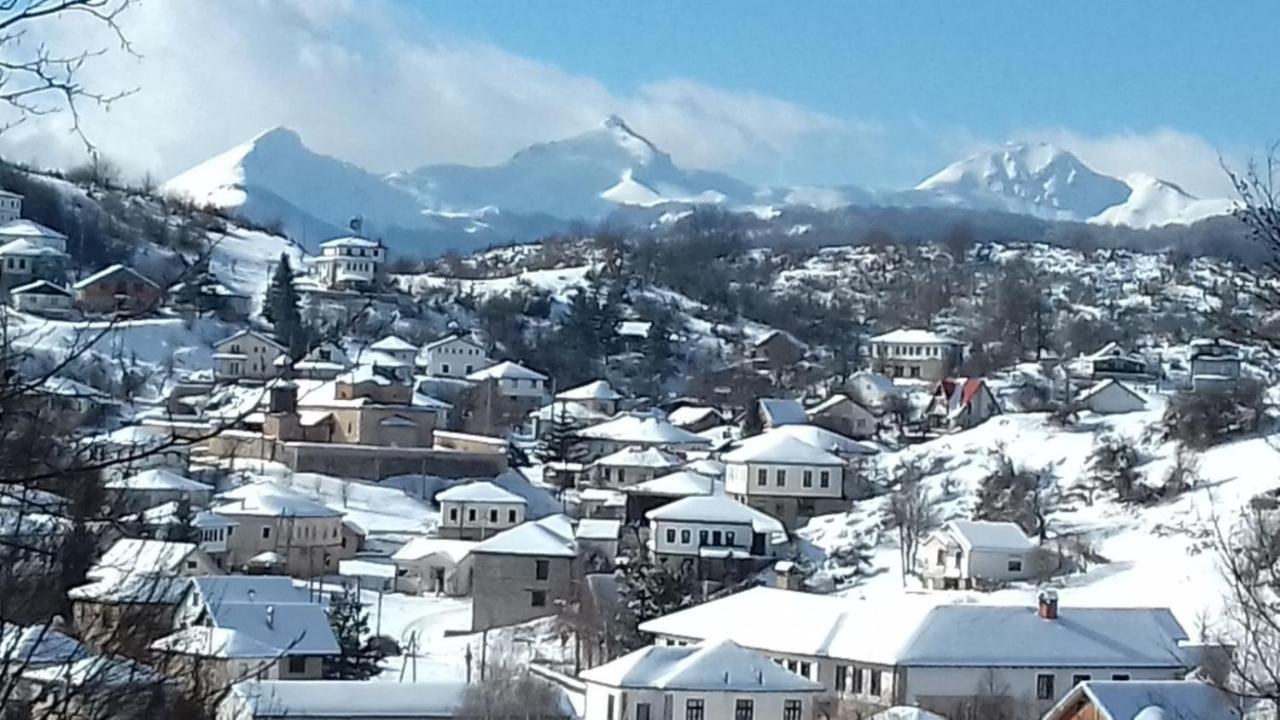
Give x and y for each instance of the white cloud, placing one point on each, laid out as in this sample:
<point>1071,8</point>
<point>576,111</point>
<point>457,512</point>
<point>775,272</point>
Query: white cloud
<point>369,83</point>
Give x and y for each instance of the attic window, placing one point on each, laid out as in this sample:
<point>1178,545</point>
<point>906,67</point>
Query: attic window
<point>1015,565</point>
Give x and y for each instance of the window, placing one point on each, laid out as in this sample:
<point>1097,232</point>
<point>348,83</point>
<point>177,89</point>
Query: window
<point>266,533</point>
<point>297,664</point>
<point>453,514</point>
<point>609,710</point>
<point>825,478</point>
<point>541,568</point>
<point>642,711</point>
<point>671,535</point>
<point>694,709</point>
<point>493,516</point>
<point>791,710</point>
<point>511,516</point>
<point>808,478</point>
<point>715,538</point>
<point>191,564</point>
<point>744,709</point>
<point>842,678</point>
<point>702,537</point>
<point>942,557</point>
<point>728,537</point>
<point>1015,565</point>
<point>804,669</point>
<point>538,598</point>
<point>1077,679</point>
<point>685,537</point>
<point>780,477</point>
<point>1120,676</point>
<point>444,368</point>
<point>857,679</point>
<point>875,682</point>
<point>762,477</point>
<point>1044,686</point>
<point>471,515</point>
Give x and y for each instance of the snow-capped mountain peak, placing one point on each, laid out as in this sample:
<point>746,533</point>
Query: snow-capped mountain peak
<point>1154,202</point>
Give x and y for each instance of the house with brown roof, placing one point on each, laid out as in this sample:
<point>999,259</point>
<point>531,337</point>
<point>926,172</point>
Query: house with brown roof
<point>117,288</point>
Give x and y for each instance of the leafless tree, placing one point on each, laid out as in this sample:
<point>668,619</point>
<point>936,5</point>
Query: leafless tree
<point>1249,561</point>
<point>914,512</point>
<point>1259,210</point>
<point>510,690</point>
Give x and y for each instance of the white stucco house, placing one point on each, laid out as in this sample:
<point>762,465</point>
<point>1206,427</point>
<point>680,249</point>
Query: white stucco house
<point>349,263</point>
<point>916,354</point>
<point>711,526</point>
<point>514,380</point>
<point>1111,397</point>
<point>785,477</point>
<point>597,396</point>
<point>475,511</point>
<point>632,465</point>
<point>644,431</point>
<point>434,566</point>
<point>42,297</point>
<point>396,348</point>
<point>247,355</point>
<point>454,356</point>
<point>964,554</point>
<point>717,680</point>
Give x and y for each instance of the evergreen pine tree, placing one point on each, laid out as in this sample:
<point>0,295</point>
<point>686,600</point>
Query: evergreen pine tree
<point>560,443</point>
<point>181,530</point>
<point>357,657</point>
<point>280,308</point>
<point>649,590</point>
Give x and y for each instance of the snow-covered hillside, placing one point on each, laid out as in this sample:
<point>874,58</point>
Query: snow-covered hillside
<point>1155,202</point>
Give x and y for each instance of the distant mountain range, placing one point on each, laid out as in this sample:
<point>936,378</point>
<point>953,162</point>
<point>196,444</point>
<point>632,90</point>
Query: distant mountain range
<point>275,179</point>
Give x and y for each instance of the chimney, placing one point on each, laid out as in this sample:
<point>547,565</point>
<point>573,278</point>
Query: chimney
<point>1048,605</point>
<point>271,616</point>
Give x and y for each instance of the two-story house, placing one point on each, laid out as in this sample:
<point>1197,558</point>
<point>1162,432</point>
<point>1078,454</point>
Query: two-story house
<point>477,510</point>
<point>23,261</point>
<point>964,554</point>
<point>784,477</point>
<point>247,355</point>
<point>1215,365</point>
<point>636,430</point>
<point>597,397</point>
<point>514,381</point>
<point>715,533</point>
<point>709,681</point>
<point>916,354</point>
<point>350,263</point>
<point>632,465</point>
<point>453,356</point>
<point>276,529</point>
<point>527,572</point>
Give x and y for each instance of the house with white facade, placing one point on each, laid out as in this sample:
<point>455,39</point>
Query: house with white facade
<point>907,650</point>
<point>961,403</point>
<point>42,297</point>
<point>597,396</point>
<point>281,531</point>
<point>716,680</point>
<point>514,381</point>
<point>632,465</point>
<point>349,263</point>
<point>968,554</point>
<point>23,261</point>
<point>477,510</point>
<point>785,477</point>
<point>645,431</point>
<point>454,356</point>
<point>398,349</point>
<point>715,532</point>
<point>247,355</point>
<point>915,354</point>
<point>1111,397</point>
<point>156,486</point>
<point>434,566</point>
<point>10,206</point>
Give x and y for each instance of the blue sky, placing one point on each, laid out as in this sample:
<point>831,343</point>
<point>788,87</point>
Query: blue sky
<point>876,93</point>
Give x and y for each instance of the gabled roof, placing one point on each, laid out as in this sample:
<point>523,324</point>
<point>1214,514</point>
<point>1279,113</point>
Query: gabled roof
<point>480,492</point>
<point>703,508</point>
<point>648,457</point>
<point>350,241</point>
<point>39,287</point>
<point>782,411</point>
<point>157,479</point>
<point>110,270</point>
<point>394,343</point>
<point>717,666</point>
<point>35,645</point>
<point>1109,385</point>
<point>551,536</point>
<point>205,641</point>
<point>452,338</point>
<point>23,227</point>
<point>1128,700</point>
<point>914,336</point>
<point>269,610</point>
<point>687,415</point>
<point>250,333</point>
<point>706,466</point>
<point>824,439</point>
<point>989,536</point>
<point>27,248</point>
<point>641,431</point>
<point>418,548</point>
<point>682,483</point>
<point>779,448</point>
<point>596,390</point>
<point>506,370</point>
<point>833,402</point>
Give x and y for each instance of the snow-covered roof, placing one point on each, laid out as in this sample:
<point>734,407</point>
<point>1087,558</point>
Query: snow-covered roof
<point>1110,384</point>
<point>1128,700</point>
<point>598,529</point>
<point>831,402</point>
<point>716,666</point>
<point>350,241</point>
<point>641,431</point>
<point>682,483</point>
<point>23,227</point>
<point>634,328</point>
<point>248,332</point>
<point>110,270</point>
<point>418,548</point>
<point>551,536</point>
<point>35,645</point>
<point>39,287</point>
<point>824,439</point>
<point>216,642</point>
<point>142,555</point>
<point>479,492</point>
<point>22,246</point>
<point>703,508</point>
<point>97,672</point>
<point>269,610</point>
<point>157,479</point>
<point>782,411</point>
<point>167,514</point>
<point>707,466</point>
<point>394,343</point>
<point>595,390</point>
<point>506,370</point>
<point>451,338</point>
<point>914,336</point>
<point>345,700</point>
<point>991,536</point>
<point>779,448</point>
<point>687,415</point>
<point>364,374</point>
<point>906,712</point>
<point>264,500</point>
<point>647,457</point>
<point>137,571</point>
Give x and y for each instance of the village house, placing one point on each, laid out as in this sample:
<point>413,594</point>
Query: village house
<point>157,486</point>
<point>916,355</point>
<point>34,232</point>
<point>325,361</point>
<point>627,430</point>
<point>718,536</point>
<point>1148,700</point>
<point>785,477</point>
<point>968,554</point>
<point>211,531</point>
<point>1112,361</point>
<point>247,355</point>
<point>961,404</point>
<point>343,700</point>
<point>350,264</point>
<point>10,206</point>
<point>360,407</point>
<point>597,397</point>
<point>92,687</point>
<point>135,584</point>
<point>776,351</point>
<point>776,412</point>
<point>597,540</point>
<point>434,566</point>
<point>24,261</point>
<point>478,510</point>
<point>210,298</point>
<point>709,681</point>
<point>632,465</point>
<point>841,414</point>
<point>453,356</point>
<point>1111,397</point>
<point>117,288</point>
<point>1215,365</point>
<point>41,297</point>
<point>653,494</point>
<point>514,381</point>
<point>276,530</point>
<point>955,660</point>
<point>232,628</point>
<point>397,348</point>
<point>523,573</point>
<point>695,418</point>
